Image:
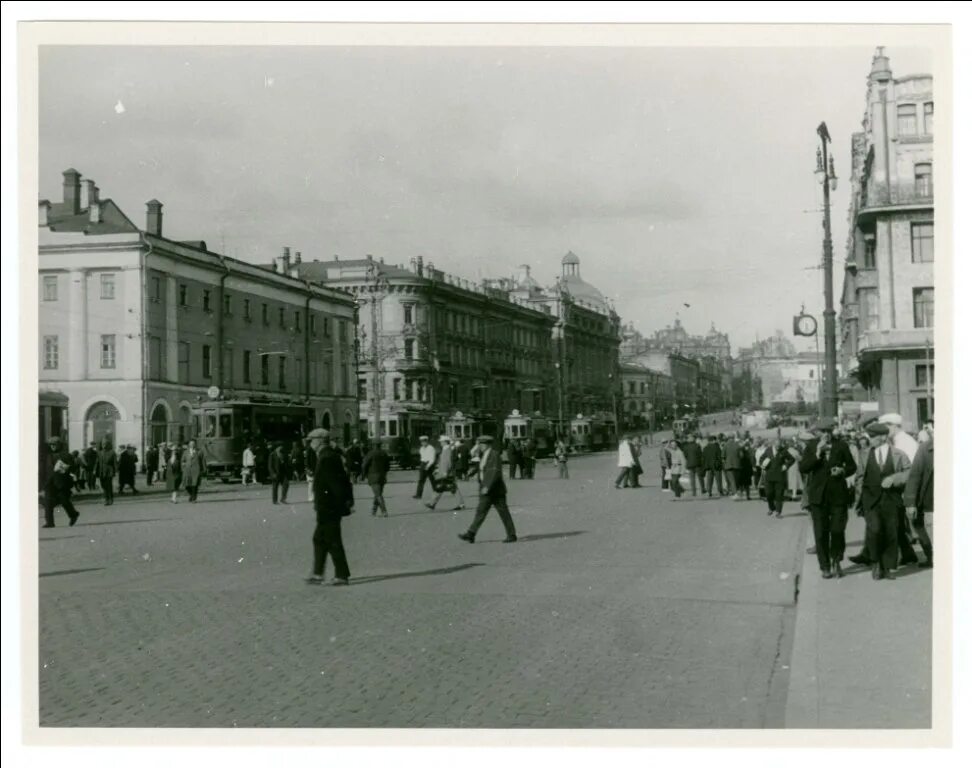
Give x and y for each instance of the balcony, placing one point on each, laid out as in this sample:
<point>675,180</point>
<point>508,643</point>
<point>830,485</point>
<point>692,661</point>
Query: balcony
<point>891,339</point>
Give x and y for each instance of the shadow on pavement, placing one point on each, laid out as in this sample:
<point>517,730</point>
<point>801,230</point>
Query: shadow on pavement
<point>60,538</point>
<point>541,536</point>
<point>434,572</point>
<point>123,522</point>
<point>67,573</point>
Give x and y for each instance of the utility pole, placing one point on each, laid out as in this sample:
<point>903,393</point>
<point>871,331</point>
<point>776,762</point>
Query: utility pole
<point>376,353</point>
<point>825,171</point>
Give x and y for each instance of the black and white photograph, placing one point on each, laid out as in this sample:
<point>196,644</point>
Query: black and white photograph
<point>492,383</point>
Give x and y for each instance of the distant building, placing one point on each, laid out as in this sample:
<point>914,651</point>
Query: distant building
<point>135,328</point>
<point>772,371</point>
<point>647,397</point>
<point>683,373</point>
<point>887,314</point>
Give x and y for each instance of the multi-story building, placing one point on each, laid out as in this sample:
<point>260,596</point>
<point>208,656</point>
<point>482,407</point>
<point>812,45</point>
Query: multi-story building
<point>136,329</point>
<point>435,346</point>
<point>772,371</point>
<point>647,397</point>
<point>888,300</point>
<point>683,375</point>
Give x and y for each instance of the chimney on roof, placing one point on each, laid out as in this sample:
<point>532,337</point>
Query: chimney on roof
<point>297,258</point>
<point>369,257</point>
<point>89,194</point>
<point>72,191</point>
<point>283,261</point>
<point>94,212</point>
<point>419,266</point>
<point>43,212</point>
<point>153,218</point>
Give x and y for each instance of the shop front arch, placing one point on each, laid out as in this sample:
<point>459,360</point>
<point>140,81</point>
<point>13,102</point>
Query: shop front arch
<point>159,423</point>
<point>101,421</point>
<point>326,420</point>
<point>183,426</point>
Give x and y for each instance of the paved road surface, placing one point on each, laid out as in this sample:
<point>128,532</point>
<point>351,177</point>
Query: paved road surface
<point>616,609</point>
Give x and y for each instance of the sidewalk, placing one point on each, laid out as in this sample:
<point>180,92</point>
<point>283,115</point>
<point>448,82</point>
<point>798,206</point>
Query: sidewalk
<point>862,649</point>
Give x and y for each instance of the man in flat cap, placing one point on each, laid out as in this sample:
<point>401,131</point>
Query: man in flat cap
<point>897,436</point>
<point>492,492</point>
<point>827,463</point>
<point>885,474</point>
<point>426,464</point>
<point>333,500</point>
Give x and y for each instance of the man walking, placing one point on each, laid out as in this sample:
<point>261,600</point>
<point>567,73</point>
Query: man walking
<point>57,493</point>
<point>151,464</point>
<point>492,492</point>
<point>375,468</point>
<point>678,467</point>
<point>665,462</point>
<point>730,452</point>
<point>560,454</point>
<point>444,477</point>
<point>625,463</point>
<point>249,465</point>
<point>127,465</point>
<point>712,464</point>
<point>106,467</point>
<point>885,474</point>
<point>90,462</point>
<point>692,449</point>
<point>280,470</point>
<point>919,494</point>
<point>776,463</point>
<point>426,463</point>
<point>827,463</point>
<point>333,500</point>
<point>193,469</point>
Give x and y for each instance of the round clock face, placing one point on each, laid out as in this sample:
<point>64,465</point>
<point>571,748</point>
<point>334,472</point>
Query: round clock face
<point>807,325</point>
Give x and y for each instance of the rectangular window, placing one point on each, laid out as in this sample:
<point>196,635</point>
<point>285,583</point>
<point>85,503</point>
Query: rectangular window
<point>923,179</point>
<point>207,296</point>
<point>870,252</point>
<point>282,372</point>
<point>409,349</point>
<point>207,361</point>
<point>407,308</point>
<point>226,372</point>
<point>327,326</point>
<point>265,314</point>
<point>868,309</point>
<point>265,370</point>
<point>362,389</point>
<point>225,424</point>
<point>183,362</point>
<point>907,120</point>
<point>313,324</point>
<point>227,304</point>
<point>929,118</point>
<point>453,393</point>
<point>246,366</point>
<point>926,410</point>
<point>50,287</point>
<point>108,351</point>
<point>282,317</point>
<point>108,286</point>
<point>922,242</point>
<point>155,358</point>
<point>183,295</point>
<point>246,310</point>
<point>326,385</point>
<point>924,300</point>
<point>297,321</point>
<point>155,288</point>
<point>921,375</point>
<point>346,381</point>
<point>50,353</point>
<point>396,389</point>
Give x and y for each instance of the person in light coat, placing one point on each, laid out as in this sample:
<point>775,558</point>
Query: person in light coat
<point>677,468</point>
<point>625,462</point>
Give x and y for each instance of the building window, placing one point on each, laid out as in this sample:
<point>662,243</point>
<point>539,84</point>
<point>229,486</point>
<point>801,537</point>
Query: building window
<point>246,366</point>
<point>207,295</point>
<point>922,375</point>
<point>50,353</point>
<point>923,179</point>
<point>183,362</point>
<point>282,317</point>
<point>922,242</point>
<point>183,295</point>
<point>246,310</point>
<point>155,289</point>
<point>870,252</point>
<point>312,319</point>
<point>265,314</point>
<point>409,349</point>
<point>207,361</point>
<point>265,369</point>
<point>453,393</point>
<point>929,118</point>
<point>108,286</point>
<point>227,304</point>
<point>926,409</point>
<point>155,358</point>
<point>282,372</point>
<point>396,389</point>
<point>868,311</point>
<point>297,321</point>
<point>924,300</point>
<point>362,389</point>
<point>407,308</point>
<point>108,351</point>
<point>226,370</point>
<point>907,120</point>
<point>327,326</point>
<point>50,287</point>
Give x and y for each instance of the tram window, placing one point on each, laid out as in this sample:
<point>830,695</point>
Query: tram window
<point>225,424</point>
<point>210,424</point>
<point>196,425</point>
<point>393,429</point>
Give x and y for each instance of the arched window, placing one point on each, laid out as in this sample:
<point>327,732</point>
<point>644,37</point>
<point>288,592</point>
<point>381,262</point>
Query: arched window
<point>100,421</point>
<point>159,424</point>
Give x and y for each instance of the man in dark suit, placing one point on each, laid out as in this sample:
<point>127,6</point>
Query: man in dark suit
<point>333,499</point>
<point>280,470</point>
<point>885,474</point>
<point>827,463</point>
<point>374,469</point>
<point>106,467</point>
<point>775,462</point>
<point>492,492</point>
<point>712,464</point>
<point>193,469</point>
<point>919,495</point>
<point>693,463</point>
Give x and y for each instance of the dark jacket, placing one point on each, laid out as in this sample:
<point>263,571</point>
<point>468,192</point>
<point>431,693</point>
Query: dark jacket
<point>193,467</point>
<point>873,494</point>
<point>712,456</point>
<point>491,473</point>
<point>333,492</point>
<point>731,453</point>
<point>376,465</point>
<point>279,466</point>
<point>57,489</point>
<point>823,488</point>
<point>919,491</point>
<point>693,454</point>
<point>779,462</point>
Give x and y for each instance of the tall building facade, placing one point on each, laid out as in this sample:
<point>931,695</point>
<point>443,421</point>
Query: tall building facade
<point>136,328</point>
<point>887,314</point>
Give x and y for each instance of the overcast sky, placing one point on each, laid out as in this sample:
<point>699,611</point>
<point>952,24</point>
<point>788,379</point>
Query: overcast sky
<point>679,176</point>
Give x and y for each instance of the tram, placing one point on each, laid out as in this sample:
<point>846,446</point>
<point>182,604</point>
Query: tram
<point>519,426</point>
<point>223,428</point>
<point>593,433</point>
<point>400,432</point>
<point>462,426</point>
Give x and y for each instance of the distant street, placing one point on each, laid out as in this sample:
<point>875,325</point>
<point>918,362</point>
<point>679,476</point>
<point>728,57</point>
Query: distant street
<point>617,608</point>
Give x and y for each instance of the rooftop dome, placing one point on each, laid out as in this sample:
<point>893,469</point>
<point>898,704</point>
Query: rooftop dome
<point>570,258</point>
<point>584,291</point>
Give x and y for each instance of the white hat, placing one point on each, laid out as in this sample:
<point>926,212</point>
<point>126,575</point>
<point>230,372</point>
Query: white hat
<point>423,437</point>
<point>891,418</point>
<point>444,438</point>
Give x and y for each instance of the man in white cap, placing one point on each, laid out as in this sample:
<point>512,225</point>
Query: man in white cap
<point>426,464</point>
<point>897,436</point>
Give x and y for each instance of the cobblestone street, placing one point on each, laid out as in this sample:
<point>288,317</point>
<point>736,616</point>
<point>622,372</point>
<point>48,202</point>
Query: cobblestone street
<point>617,608</point>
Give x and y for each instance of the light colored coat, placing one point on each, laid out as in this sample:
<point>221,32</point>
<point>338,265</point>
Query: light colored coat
<point>625,457</point>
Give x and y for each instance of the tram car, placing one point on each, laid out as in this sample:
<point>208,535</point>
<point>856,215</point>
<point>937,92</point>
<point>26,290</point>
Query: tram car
<point>523,427</point>
<point>593,433</point>
<point>223,428</point>
<point>400,432</point>
<point>461,426</point>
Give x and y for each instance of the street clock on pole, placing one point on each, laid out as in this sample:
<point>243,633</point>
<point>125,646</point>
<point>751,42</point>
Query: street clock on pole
<point>804,325</point>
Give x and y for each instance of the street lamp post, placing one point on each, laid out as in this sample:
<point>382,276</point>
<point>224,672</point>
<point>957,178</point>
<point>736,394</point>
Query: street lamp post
<point>826,176</point>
